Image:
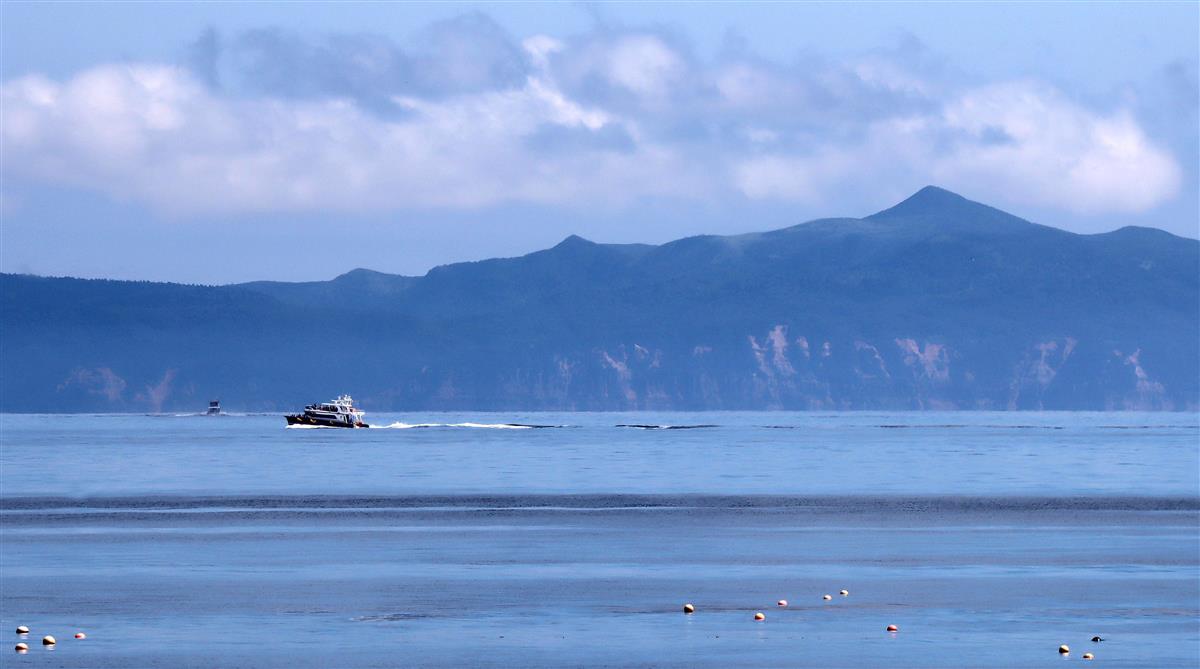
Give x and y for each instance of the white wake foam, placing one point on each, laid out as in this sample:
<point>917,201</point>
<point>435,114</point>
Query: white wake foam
<point>492,426</point>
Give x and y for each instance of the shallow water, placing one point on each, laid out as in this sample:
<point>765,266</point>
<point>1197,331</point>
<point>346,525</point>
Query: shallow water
<point>989,539</point>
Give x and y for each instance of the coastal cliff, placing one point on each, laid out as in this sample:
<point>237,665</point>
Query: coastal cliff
<point>936,303</point>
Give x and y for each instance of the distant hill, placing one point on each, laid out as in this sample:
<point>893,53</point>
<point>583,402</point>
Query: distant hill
<point>936,303</point>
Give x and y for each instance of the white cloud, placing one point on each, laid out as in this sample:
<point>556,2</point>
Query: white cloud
<point>540,48</point>
<point>744,86</point>
<point>155,134</point>
<point>1015,142</point>
<point>1055,153</point>
<point>644,65</point>
<point>806,179</point>
<point>883,74</point>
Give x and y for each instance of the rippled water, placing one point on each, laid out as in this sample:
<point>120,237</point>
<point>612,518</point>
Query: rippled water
<point>730,453</point>
<point>481,540</point>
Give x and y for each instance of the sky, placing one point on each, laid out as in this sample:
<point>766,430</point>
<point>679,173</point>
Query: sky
<point>224,142</point>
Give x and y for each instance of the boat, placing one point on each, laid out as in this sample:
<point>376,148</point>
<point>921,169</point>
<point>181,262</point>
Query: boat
<point>334,413</point>
<point>214,408</point>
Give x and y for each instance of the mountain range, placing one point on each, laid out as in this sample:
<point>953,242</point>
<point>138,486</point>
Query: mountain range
<point>936,303</point>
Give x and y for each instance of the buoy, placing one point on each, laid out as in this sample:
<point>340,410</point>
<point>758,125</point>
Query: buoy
<point>844,593</point>
<point>1088,656</point>
<point>759,616</point>
<point>80,635</point>
<point>827,597</point>
<point>21,629</point>
<point>688,608</point>
<point>1094,639</point>
<point>893,628</point>
<point>781,603</point>
<point>21,648</point>
<point>1064,649</point>
<point>48,640</point>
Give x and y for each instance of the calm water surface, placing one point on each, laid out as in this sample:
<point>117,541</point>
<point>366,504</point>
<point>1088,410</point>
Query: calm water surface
<point>988,538</point>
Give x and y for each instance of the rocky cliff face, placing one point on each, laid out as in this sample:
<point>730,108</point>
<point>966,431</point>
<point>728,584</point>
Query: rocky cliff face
<point>937,303</point>
<point>785,373</point>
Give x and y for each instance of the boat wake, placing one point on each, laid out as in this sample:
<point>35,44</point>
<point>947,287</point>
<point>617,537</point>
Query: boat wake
<point>490,426</point>
<point>410,426</point>
<point>640,426</point>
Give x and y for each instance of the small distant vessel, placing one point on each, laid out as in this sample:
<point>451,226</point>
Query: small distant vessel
<point>335,413</point>
<point>214,408</point>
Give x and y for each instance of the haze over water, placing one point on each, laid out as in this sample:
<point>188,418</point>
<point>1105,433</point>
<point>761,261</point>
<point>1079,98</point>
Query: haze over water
<point>989,539</point>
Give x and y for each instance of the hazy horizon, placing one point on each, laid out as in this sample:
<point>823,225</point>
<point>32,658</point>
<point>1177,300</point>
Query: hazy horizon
<point>349,270</point>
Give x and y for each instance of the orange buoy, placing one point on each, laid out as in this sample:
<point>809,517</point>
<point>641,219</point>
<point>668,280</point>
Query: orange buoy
<point>80,635</point>
<point>21,629</point>
<point>893,628</point>
<point>844,593</point>
<point>827,597</point>
<point>48,640</point>
<point>688,608</point>
<point>1064,649</point>
<point>781,603</point>
<point>1088,656</point>
<point>21,648</point>
<point>759,616</point>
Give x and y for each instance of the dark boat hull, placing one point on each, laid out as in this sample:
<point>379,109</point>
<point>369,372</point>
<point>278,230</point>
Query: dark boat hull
<point>301,419</point>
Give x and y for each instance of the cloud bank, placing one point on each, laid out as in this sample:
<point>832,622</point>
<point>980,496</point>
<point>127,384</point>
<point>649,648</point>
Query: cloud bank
<point>468,117</point>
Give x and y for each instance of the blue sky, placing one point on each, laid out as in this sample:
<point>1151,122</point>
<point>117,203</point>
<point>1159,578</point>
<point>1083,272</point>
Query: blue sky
<point>224,142</point>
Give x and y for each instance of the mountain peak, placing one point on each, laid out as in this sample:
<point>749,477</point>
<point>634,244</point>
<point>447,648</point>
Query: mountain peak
<point>929,199</point>
<point>946,210</point>
<point>575,242</point>
<point>936,193</point>
<point>359,273</point>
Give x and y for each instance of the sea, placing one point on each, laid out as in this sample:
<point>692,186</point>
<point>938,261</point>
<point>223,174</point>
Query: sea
<point>576,539</point>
